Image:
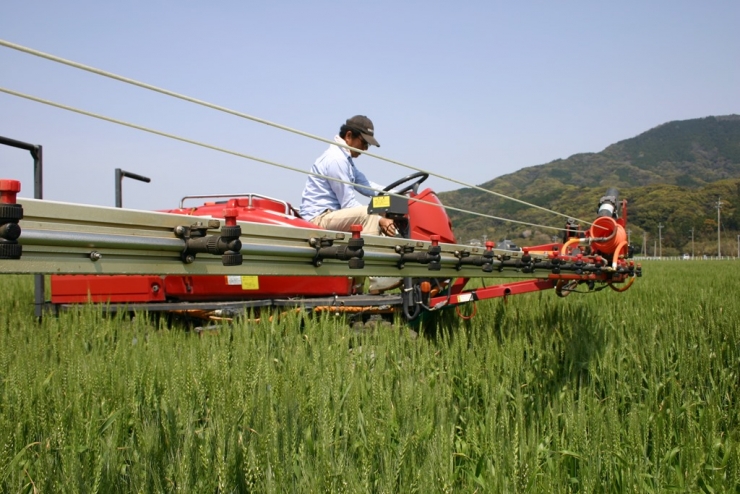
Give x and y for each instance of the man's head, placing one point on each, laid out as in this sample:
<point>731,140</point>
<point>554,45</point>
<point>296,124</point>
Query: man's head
<point>359,133</point>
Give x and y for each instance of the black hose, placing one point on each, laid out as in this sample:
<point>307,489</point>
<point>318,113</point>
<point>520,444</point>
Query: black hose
<point>411,297</point>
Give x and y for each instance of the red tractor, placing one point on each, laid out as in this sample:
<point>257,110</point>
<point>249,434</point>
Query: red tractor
<point>598,255</point>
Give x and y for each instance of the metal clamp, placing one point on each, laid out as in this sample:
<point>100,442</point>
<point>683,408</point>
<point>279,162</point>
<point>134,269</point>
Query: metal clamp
<point>227,245</point>
<point>353,252</point>
<point>432,256</point>
<point>485,260</point>
<point>10,214</point>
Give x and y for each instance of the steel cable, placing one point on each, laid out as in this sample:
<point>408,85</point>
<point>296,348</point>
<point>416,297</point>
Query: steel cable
<point>250,157</point>
<point>183,97</point>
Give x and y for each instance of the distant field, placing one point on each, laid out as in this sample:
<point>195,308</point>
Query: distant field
<point>607,392</point>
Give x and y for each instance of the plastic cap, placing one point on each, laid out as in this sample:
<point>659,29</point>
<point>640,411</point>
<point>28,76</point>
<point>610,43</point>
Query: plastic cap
<point>230,214</point>
<point>8,190</point>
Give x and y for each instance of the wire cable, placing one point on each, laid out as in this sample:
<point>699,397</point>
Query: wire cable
<point>196,101</point>
<point>250,157</point>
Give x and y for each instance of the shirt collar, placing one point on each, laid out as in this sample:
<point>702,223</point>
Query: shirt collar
<point>342,141</point>
<point>344,151</point>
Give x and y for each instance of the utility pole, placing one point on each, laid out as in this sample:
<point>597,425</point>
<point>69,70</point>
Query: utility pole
<point>692,242</point>
<point>719,245</point>
<point>629,236</point>
<point>644,244</point>
<point>660,239</point>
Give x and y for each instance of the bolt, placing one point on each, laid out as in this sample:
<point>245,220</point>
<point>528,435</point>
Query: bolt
<point>95,256</point>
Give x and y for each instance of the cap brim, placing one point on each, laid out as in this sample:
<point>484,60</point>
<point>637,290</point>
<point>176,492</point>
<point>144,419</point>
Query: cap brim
<point>370,139</point>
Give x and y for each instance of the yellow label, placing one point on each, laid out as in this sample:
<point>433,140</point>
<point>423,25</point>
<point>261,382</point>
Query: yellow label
<point>250,283</point>
<point>382,201</point>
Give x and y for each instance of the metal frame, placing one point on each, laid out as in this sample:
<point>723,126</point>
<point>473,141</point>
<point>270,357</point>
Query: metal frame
<point>248,195</point>
<point>37,153</point>
<point>71,238</point>
<point>181,306</point>
<point>120,175</point>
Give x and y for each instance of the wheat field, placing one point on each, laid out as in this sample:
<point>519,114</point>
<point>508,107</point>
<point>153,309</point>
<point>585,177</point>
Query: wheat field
<point>605,392</point>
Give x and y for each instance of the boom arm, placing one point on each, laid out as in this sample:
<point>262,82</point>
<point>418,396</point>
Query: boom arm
<point>60,238</point>
<point>79,239</point>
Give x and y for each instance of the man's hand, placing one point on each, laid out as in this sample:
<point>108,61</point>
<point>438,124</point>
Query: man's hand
<point>388,227</point>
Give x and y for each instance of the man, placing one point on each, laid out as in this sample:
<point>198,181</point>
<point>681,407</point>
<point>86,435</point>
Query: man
<point>333,205</point>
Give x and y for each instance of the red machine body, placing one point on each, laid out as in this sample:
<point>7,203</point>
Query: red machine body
<point>425,220</point>
<point>583,259</point>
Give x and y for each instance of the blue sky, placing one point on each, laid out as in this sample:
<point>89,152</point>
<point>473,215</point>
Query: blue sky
<point>471,90</point>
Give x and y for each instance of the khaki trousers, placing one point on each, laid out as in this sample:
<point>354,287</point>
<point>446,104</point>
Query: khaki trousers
<point>343,219</point>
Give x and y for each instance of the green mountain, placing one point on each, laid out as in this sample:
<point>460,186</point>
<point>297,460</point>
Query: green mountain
<point>671,175</point>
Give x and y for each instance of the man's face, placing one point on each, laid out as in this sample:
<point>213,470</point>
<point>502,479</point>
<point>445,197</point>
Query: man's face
<point>356,141</point>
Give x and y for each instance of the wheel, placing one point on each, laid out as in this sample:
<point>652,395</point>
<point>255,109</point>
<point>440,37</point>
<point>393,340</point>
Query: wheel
<point>421,176</point>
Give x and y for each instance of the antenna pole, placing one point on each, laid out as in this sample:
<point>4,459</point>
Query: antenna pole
<point>719,244</point>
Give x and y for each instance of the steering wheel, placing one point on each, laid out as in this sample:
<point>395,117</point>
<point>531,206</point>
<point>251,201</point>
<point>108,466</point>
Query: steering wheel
<point>422,176</point>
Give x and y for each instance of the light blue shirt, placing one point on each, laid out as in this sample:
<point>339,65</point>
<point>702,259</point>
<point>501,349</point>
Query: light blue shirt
<point>321,194</point>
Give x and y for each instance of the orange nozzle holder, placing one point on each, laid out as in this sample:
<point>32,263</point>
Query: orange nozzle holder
<point>356,230</point>
<point>425,286</point>
<point>8,190</point>
<point>607,228</point>
<point>230,215</point>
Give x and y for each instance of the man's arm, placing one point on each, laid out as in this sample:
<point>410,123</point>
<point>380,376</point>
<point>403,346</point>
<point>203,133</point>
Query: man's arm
<point>361,179</point>
<point>345,193</point>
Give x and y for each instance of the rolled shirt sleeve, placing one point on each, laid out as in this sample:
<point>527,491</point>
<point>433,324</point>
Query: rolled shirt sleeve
<point>361,179</point>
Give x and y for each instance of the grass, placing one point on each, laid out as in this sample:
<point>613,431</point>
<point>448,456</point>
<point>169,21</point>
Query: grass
<point>608,392</point>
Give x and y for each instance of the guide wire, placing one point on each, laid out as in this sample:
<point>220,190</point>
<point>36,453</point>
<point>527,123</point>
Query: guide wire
<point>253,158</point>
<point>190,99</point>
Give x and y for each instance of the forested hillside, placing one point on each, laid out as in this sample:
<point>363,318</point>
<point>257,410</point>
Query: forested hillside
<point>671,175</point>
